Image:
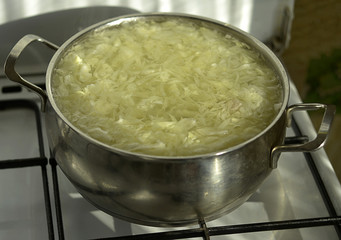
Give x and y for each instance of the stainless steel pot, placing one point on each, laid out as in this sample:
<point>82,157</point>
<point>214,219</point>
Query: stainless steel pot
<point>166,191</point>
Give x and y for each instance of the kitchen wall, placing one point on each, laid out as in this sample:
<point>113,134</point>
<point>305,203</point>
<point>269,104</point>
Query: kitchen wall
<point>313,59</point>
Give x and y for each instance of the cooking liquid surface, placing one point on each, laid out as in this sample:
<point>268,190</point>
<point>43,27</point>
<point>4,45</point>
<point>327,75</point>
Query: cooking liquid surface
<point>171,88</point>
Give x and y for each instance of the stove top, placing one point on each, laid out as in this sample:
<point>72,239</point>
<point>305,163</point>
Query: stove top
<point>299,200</point>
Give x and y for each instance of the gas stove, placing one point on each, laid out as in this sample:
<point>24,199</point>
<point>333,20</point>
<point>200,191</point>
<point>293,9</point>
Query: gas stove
<point>301,199</point>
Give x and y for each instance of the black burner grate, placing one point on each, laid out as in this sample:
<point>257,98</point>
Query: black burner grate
<point>39,161</point>
<point>201,231</point>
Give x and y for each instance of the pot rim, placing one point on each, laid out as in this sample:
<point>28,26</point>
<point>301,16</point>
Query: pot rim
<point>268,55</point>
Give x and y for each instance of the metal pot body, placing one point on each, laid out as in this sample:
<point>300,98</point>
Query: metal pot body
<point>161,191</point>
<point>164,191</point>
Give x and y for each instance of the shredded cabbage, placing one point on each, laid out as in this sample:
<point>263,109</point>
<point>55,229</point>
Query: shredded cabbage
<point>166,88</point>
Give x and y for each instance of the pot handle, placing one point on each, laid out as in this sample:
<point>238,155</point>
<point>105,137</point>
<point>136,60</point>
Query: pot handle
<point>315,144</point>
<point>11,61</point>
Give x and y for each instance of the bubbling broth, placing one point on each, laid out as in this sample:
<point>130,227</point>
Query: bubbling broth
<point>166,88</point>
